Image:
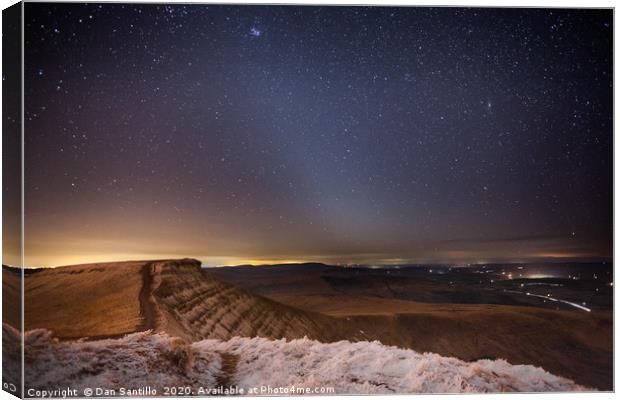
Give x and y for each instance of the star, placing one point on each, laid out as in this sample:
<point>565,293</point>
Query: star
<point>407,134</point>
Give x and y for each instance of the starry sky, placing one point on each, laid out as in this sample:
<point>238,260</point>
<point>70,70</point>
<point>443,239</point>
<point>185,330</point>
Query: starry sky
<point>264,134</point>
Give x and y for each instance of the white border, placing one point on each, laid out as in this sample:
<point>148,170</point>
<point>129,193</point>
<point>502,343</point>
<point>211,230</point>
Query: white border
<point>461,3</point>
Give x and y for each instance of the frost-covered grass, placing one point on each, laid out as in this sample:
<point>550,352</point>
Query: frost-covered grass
<point>157,360</point>
<point>370,367</point>
<point>136,360</point>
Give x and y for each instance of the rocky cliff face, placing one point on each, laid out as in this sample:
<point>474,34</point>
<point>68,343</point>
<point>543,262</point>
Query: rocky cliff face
<point>195,305</point>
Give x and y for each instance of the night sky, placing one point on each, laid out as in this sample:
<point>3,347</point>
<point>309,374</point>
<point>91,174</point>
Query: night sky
<point>335,134</point>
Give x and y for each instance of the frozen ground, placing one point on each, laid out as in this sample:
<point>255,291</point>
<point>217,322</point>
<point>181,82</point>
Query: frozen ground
<point>157,360</point>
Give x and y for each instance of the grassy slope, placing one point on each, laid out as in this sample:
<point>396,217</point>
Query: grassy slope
<point>11,293</point>
<point>570,343</point>
<point>84,300</point>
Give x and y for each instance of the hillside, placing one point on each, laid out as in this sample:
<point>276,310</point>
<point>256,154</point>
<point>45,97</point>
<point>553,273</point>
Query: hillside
<point>175,296</point>
<point>178,298</point>
<point>451,314</point>
<point>94,300</point>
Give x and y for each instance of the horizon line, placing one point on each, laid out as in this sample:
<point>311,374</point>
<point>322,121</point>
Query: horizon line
<point>258,263</point>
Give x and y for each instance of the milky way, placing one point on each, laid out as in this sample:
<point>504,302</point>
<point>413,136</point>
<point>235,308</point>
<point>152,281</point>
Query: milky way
<point>337,134</point>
